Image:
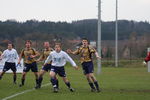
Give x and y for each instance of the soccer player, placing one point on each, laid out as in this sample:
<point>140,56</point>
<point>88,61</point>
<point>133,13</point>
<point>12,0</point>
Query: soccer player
<point>147,58</point>
<point>59,58</point>
<point>47,67</point>
<point>86,51</point>
<point>29,54</point>
<point>10,55</point>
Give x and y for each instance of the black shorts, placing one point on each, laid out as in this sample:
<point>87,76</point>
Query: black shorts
<point>87,67</point>
<point>8,66</point>
<point>32,66</point>
<point>59,70</point>
<point>47,67</point>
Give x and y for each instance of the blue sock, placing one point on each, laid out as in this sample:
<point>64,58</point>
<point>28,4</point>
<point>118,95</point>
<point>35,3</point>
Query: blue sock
<point>68,84</point>
<point>54,82</point>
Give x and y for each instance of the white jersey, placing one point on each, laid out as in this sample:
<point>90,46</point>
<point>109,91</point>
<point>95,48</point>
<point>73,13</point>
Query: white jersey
<point>59,59</point>
<point>10,55</point>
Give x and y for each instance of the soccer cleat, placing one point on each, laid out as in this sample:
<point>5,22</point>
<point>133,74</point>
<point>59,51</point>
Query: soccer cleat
<point>14,82</point>
<point>20,85</point>
<point>98,90</point>
<point>93,90</point>
<point>55,90</point>
<point>36,87</point>
<point>39,85</point>
<point>71,89</point>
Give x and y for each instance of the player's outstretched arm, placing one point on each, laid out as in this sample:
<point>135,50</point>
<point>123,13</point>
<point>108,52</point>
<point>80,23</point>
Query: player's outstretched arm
<point>69,59</point>
<point>97,56</point>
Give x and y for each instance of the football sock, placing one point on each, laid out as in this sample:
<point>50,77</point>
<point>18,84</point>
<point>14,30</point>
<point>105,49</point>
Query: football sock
<point>92,85</point>
<point>57,83</point>
<point>22,81</point>
<point>14,78</point>
<point>37,81</point>
<point>40,80</point>
<point>96,84</point>
<point>53,81</point>
<point>68,84</point>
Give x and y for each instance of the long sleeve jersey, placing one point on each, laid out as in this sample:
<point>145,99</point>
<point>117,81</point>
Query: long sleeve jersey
<point>59,59</point>
<point>10,55</point>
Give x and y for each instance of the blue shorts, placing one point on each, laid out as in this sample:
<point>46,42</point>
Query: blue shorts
<point>87,67</point>
<point>8,66</point>
<point>32,66</point>
<point>59,70</point>
<point>47,67</point>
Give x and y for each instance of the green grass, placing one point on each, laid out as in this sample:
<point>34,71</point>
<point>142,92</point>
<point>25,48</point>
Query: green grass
<point>123,83</point>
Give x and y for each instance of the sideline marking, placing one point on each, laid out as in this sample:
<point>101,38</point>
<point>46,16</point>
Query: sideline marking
<point>20,93</point>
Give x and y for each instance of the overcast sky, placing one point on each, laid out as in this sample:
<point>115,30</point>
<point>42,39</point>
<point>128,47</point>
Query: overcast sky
<point>71,10</point>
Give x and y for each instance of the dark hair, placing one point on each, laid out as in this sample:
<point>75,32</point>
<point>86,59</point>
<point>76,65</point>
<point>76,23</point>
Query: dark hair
<point>58,44</point>
<point>86,39</point>
<point>10,43</point>
<point>28,41</point>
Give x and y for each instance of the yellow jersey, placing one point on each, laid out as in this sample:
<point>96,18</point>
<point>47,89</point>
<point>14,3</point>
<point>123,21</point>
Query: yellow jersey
<point>26,53</point>
<point>85,53</point>
<point>45,54</point>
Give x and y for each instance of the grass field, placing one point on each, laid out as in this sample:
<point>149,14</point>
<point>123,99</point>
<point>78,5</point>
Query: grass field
<point>123,83</point>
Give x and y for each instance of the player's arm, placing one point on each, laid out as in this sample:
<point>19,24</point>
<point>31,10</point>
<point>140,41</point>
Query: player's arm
<point>49,58</point>
<point>76,52</point>
<point>16,55</point>
<point>21,56</point>
<point>69,59</point>
<point>97,56</point>
<point>92,50</point>
<point>41,58</point>
<point>35,55</point>
<point>3,55</point>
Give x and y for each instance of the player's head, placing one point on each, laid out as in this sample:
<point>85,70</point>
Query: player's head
<point>46,44</point>
<point>28,43</point>
<point>10,45</point>
<point>85,42</point>
<point>58,47</point>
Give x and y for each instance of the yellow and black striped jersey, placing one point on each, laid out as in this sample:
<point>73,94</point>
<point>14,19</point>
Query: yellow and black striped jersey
<point>26,53</point>
<point>85,53</point>
<point>45,54</point>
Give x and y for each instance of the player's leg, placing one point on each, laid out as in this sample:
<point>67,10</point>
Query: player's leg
<point>6,68</point>
<point>14,77</point>
<point>62,73</point>
<point>68,83</point>
<point>13,68</point>
<point>1,74</point>
<point>86,70</point>
<point>34,69</point>
<point>57,82</point>
<point>23,79</point>
<point>40,78</point>
<point>44,69</point>
<point>95,82</point>
<point>91,74</point>
<point>26,69</point>
<point>36,79</point>
<point>90,82</point>
<point>53,80</point>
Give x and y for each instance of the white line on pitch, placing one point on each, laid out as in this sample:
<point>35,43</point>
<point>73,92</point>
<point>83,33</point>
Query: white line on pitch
<point>20,93</point>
